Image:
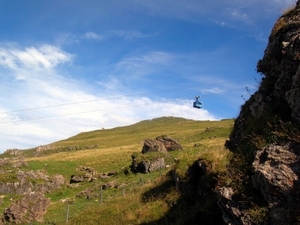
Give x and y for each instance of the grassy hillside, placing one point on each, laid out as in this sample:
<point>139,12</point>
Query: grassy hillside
<point>137,198</point>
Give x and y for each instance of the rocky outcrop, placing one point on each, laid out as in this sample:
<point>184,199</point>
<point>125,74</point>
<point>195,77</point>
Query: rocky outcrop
<point>15,163</point>
<point>169,143</point>
<point>83,174</point>
<point>28,181</point>
<point>161,144</point>
<point>150,161</point>
<point>88,174</point>
<point>13,152</point>
<point>266,137</point>
<point>276,172</point>
<point>148,165</point>
<point>31,207</point>
<point>151,145</point>
<point>43,148</point>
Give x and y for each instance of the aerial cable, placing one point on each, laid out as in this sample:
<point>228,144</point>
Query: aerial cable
<point>69,114</point>
<point>86,112</point>
<point>113,97</point>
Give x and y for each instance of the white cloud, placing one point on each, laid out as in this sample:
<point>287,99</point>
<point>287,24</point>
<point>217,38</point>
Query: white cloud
<point>46,106</point>
<point>44,57</point>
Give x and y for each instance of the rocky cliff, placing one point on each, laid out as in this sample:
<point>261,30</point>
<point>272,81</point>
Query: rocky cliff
<point>262,183</point>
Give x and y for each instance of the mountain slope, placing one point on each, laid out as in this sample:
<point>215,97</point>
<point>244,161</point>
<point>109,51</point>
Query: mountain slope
<point>128,198</point>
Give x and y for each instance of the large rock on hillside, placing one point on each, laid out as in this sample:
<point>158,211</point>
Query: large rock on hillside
<point>264,176</point>
<point>161,144</point>
<point>148,165</point>
<point>30,208</point>
<point>169,143</point>
<point>151,145</point>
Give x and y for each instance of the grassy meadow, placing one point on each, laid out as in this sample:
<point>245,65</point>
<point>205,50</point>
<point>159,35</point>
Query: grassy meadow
<point>149,198</point>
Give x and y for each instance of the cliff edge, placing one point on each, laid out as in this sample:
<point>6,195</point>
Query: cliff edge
<point>262,183</point>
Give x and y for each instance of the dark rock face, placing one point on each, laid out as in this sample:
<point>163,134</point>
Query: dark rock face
<point>276,171</point>
<point>276,175</point>
<point>31,207</point>
<point>267,135</point>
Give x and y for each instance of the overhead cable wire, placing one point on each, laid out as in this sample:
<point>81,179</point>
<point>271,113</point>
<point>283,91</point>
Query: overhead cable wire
<point>68,114</point>
<point>85,112</point>
<point>113,97</point>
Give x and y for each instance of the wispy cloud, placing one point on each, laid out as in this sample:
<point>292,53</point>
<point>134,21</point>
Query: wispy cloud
<point>249,12</point>
<point>144,60</point>
<point>128,34</point>
<point>92,35</point>
<point>215,90</point>
<point>32,58</point>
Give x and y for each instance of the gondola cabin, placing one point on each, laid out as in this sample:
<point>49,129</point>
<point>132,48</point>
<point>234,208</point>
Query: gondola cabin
<point>197,104</point>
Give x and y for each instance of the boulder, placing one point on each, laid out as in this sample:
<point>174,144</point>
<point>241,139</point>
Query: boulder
<point>77,179</point>
<point>151,145</point>
<point>276,173</point>
<point>84,173</point>
<point>31,207</point>
<point>161,144</point>
<point>169,143</point>
<point>148,165</point>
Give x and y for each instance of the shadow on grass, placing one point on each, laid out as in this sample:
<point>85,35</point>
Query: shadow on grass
<point>184,209</point>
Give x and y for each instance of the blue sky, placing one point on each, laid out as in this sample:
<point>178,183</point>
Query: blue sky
<point>73,66</point>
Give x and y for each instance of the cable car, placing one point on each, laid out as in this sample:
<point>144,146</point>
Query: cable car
<point>197,104</point>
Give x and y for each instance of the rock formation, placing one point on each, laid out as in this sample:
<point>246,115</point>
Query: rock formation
<point>169,143</point>
<point>31,207</point>
<point>29,181</point>
<point>13,152</point>
<point>262,182</point>
<point>148,165</point>
<point>151,145</point>
<point>161,145</point>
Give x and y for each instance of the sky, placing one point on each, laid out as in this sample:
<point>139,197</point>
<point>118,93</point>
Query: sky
<point>75,66</point>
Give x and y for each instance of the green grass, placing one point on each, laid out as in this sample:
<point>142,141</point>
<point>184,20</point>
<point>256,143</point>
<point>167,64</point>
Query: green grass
<point>115,146</point>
